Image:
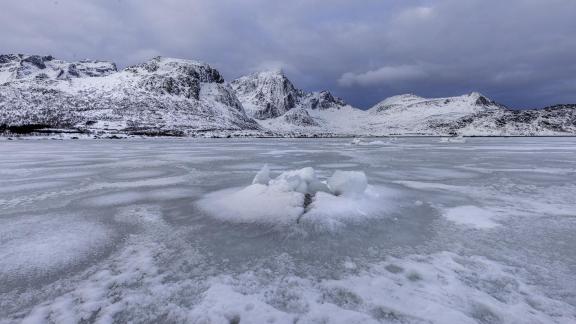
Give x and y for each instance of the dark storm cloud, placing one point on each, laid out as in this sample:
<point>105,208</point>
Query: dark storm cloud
<point>520,52</point>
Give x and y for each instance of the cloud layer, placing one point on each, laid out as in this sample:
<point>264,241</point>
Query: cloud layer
<point>520,52</point>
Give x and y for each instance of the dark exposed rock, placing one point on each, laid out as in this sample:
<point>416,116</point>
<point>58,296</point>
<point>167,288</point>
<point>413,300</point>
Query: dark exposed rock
<point>7,58</point>
<point>323,100</point>
<point>299,117</point>
<point>36,60</point>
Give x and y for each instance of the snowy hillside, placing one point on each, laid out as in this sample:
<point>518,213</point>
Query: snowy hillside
<point>160,97</point>
<point>410,114</point>
<point>470,115</point>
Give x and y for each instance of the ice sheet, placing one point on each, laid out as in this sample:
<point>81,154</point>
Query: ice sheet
<point>111,231</point>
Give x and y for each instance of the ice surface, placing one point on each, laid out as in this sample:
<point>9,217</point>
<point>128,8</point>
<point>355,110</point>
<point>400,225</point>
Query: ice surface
<point>112,231</point>
<point>444,287</point>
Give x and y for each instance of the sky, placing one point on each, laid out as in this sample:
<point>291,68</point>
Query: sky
<point>521,53</point>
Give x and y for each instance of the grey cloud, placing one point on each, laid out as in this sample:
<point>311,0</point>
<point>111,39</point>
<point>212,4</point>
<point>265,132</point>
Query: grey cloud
<point>520,52</point>
<point>383,75</point>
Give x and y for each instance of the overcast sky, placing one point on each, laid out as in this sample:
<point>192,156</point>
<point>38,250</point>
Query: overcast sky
<point>519,52</point>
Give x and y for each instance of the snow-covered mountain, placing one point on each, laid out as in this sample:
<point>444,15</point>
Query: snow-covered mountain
<point>160,97</point>
<point>410,114</point>
<point>167,96</point>
<point>270,94</point>
<point>471,115</point>
<point>320,113</point>
<point>272,99</point>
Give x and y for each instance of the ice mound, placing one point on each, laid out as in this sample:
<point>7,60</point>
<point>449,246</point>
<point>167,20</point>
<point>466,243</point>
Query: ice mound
<point>356,141</point>
<point>360,141</point>
<point>298,197</point>
<point>458,139</point>
<point>347,183</point>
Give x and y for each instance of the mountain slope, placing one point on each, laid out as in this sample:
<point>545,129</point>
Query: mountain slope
<point>161,96</point>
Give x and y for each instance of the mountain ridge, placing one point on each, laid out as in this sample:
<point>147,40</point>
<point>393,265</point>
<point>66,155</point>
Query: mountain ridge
<point>177,97</point>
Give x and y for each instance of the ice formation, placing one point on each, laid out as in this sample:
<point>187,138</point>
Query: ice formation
<point>356,141</point>
<point>359,141</point>
<point>458,139</point>
<point>297,197</point>
<point>347,183</point>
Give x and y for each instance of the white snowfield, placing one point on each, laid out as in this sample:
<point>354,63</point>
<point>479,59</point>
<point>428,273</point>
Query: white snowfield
<point>167,96</point>
<point>201,231</point>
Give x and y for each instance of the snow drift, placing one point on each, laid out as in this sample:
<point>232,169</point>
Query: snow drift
<point>298,197</point>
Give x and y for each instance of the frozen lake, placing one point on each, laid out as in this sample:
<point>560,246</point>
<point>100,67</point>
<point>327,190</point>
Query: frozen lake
<point>112,231</point>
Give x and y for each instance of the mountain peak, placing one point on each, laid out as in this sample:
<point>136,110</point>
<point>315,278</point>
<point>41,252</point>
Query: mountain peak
<point>266,94</point>
<point>270,74</point>
<point>178,70</point>
<point>15,67</point>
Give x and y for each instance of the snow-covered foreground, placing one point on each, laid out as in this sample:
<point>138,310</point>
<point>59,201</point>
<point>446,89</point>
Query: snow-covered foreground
<point>144,231</point>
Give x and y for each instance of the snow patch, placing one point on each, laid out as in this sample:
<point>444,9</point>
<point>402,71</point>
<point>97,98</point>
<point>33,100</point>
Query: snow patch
<point>37,246</point>
<point>471,216</point>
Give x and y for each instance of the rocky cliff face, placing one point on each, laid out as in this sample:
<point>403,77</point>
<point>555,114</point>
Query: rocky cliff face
<point>322,100</point>
<point>299,117</point>
<point>270,94</point>
<point>266,94</point>
<point>161,96</point>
